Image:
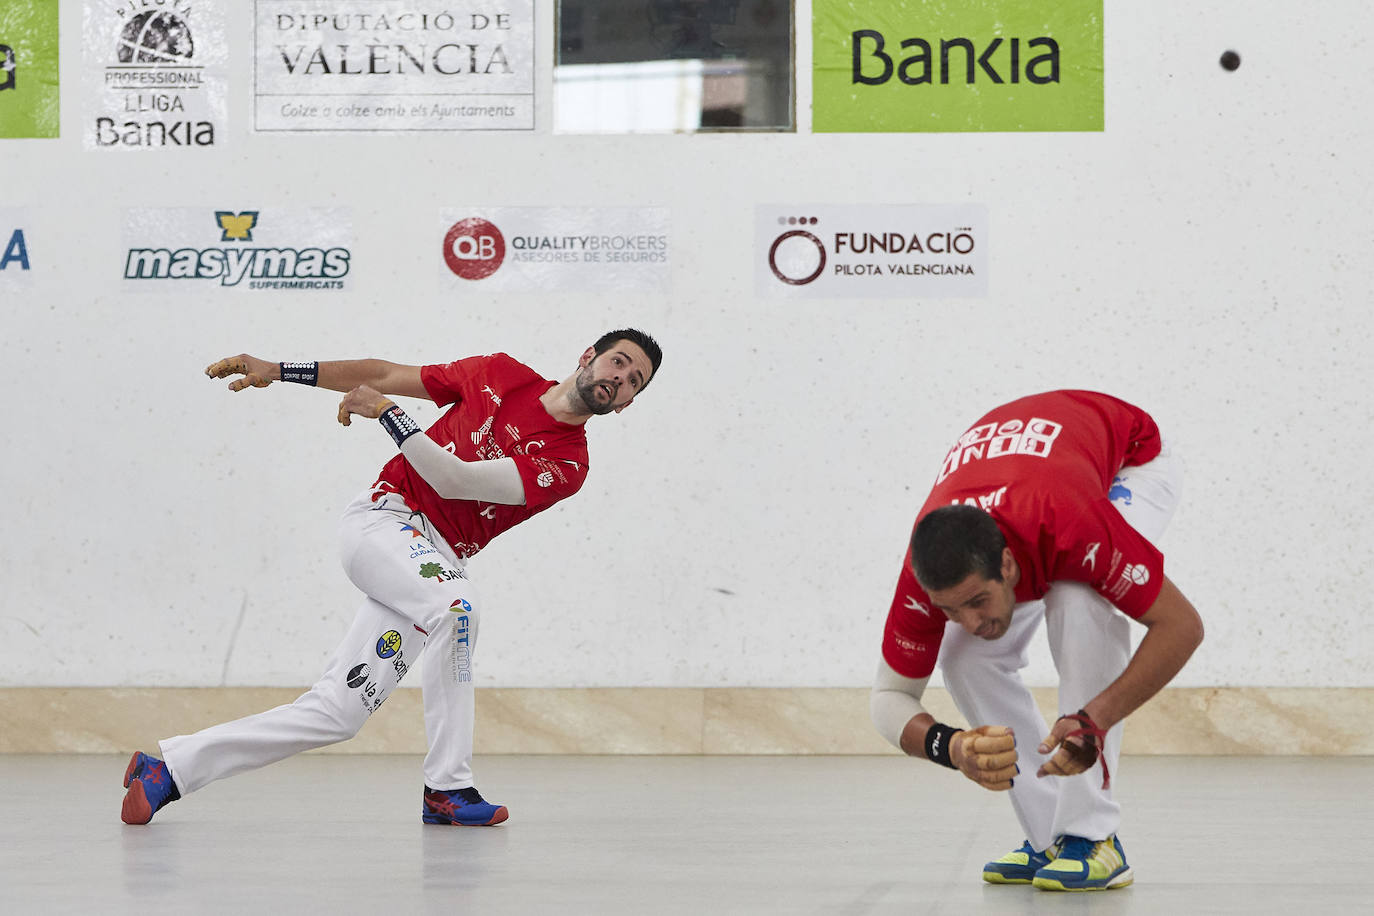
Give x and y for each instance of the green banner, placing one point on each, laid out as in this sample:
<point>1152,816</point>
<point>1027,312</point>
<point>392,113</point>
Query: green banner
<point>28,69</point>
<point>956,65</point>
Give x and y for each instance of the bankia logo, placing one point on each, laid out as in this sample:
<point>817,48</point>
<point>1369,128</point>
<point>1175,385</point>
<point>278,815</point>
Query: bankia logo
<point>311,260</point>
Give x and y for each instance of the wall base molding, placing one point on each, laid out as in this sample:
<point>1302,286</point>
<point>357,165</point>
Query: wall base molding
<point>674,720</point>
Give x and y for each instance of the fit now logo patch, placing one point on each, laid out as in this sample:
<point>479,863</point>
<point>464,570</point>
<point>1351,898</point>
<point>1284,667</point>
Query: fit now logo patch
<point>999,65</point>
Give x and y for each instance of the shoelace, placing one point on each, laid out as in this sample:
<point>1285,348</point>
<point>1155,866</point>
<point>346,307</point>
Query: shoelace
<point>1076,847</point>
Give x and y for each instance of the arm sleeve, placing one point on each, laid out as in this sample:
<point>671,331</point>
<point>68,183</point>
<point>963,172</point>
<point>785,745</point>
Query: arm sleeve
<point>451,477</point>
<point>894,701</point>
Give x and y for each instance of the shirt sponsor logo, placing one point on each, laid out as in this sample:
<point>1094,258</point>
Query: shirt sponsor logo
<point>1034,438</point>
<point>1090,555</point>
<point>871,252</point>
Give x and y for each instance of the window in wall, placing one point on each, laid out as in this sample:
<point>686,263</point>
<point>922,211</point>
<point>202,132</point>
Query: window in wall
<point>629,66</point>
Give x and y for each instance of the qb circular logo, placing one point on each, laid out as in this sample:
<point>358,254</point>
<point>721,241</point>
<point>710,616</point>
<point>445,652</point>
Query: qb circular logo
<point>388,645</point>
<point>1138,573</point>
<point>474,248</point>
<point>358,675</point>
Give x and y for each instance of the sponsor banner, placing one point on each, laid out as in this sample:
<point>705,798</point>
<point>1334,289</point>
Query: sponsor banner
<point>16,255</point>
<point>556,248</point>
<point>393,65</point>
<point>923,251</point>
<point>264,250</point>
<point>157,74</point>
<point>972,65</point>
<point>29,93</point>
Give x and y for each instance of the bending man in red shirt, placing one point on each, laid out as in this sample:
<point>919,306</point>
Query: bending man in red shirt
<point>512,444</point>
<point>1045,509</point>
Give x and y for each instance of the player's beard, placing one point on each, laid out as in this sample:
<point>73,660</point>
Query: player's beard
<point>586,390</point>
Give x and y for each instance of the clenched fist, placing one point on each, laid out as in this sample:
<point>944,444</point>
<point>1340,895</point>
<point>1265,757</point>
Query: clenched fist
<point>986,754</point>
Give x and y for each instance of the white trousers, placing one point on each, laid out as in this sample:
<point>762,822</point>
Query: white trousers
<point>417,595</point>
<point>1090,642</point>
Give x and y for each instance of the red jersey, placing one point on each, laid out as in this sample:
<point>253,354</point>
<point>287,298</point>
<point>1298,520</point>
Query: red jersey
<point>496,413</point>
<point>1042,467</point>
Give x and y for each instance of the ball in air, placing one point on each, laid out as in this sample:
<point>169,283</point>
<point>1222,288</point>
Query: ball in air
<point>1230,60</point>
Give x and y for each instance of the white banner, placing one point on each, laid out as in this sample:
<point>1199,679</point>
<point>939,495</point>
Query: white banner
<point>156,74</point>
<point>16,256</point>
<point>920,251</point>
<point>556,248</point>
<point>393,65</point>
<point>278,249</point>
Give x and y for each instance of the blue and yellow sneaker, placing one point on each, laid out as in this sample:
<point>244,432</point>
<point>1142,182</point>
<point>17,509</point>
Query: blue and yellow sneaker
<point>1086,865</point>
<point>460,808</point>
<point>150,787</point>
<point>1018,867</point>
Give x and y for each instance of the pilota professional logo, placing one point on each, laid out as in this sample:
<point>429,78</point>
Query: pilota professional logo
<point>474,248</point>
<point>997,65</point>
<point>162,66</point>
<point>803,250</point>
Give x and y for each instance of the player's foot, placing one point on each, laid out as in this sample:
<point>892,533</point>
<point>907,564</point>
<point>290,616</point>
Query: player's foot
<point>1086,865</point>
<point>1018,867</point>
<point>460,808</point>
<point>150,787</point>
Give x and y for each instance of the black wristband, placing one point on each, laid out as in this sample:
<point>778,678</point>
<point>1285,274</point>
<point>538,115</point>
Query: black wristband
<point>300,373</point>
<point>937,744</point>
<point>398,423</point>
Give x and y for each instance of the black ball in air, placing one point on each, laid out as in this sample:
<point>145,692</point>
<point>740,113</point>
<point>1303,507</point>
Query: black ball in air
<point>1230,60</point>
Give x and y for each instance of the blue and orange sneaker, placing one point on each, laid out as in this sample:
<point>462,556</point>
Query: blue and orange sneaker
<point>150,787</point>
<point>1086,865</point>
<point>1018,867</point>
<point>460,808</point>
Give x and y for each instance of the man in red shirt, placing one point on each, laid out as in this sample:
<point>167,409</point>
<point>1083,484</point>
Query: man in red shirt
<point>1047,508</point>
<point>512,444</point>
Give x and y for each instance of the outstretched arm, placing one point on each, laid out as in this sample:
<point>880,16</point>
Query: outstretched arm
<point>336,375</point>
<point>1175,631</point>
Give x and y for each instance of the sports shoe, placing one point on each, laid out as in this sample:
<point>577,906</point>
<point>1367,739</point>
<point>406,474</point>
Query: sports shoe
<point>1086,865</point>
<point>460,808</point>
<point>150,787</point>
<point>1018,867</point>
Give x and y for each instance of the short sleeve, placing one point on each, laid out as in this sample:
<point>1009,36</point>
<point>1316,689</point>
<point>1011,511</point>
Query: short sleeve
<point>914,629</point>
<point>1104,551</point>
<point>445,382</point>
<point>549,476</point>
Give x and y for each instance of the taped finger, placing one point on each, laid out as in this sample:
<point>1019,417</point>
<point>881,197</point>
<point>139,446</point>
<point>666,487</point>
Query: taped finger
<point>996,761</point>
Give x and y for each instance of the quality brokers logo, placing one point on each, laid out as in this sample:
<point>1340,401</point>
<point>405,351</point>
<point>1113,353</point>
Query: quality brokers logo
<point>797,256</point>
<point>262,267</point>
<point>474,248</point>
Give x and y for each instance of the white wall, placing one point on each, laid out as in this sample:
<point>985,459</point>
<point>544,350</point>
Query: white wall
<point>1207,257</point>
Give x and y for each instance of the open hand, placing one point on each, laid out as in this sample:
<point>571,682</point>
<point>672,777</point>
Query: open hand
<point>257,373</point>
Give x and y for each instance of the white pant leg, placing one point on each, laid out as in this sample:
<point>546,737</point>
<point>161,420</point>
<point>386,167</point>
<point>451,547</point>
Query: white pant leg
<point>1090,641</point>
<point>984,679</point>
<point>446,681</point>
<point>354,683</point>
<point>411,579</point>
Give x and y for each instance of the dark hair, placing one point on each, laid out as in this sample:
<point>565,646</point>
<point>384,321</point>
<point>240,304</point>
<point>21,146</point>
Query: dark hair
<point>639,338</point>
<point>952,542</point>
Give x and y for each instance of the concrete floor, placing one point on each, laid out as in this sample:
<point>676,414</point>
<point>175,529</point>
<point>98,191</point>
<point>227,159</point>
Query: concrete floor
<point>670,835</point>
